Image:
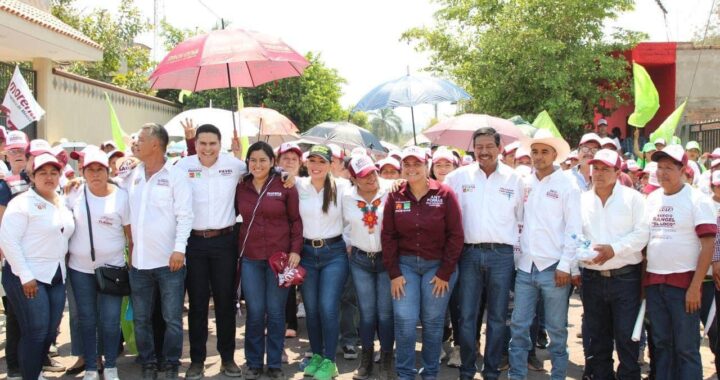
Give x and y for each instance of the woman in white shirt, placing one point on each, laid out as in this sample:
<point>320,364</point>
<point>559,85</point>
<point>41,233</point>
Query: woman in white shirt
<point>34,239</point>
<point>363,207</point>
<point>98,313</point>
<point>325,259</point>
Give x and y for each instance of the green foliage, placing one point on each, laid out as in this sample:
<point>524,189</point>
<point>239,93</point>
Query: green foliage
<point>525,56</point>
<point>358,118</point>
<point>386,125</point>
<point>124,62</point>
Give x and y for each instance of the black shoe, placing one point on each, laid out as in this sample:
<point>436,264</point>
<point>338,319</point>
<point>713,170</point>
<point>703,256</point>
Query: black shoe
<point>253,373</point>
<point>542,340</point>
<point>149,372</point>
<point>504,363</point>
<point>387,366</point>
<point>534,364</point>
<point>171,372</point>
<point>14,374</point>
<point>275,374</point>
<point>463,377</point>
<point>366,365</point>
<point>230,369</point>
<point>349,352</point>
<point>196,371</point>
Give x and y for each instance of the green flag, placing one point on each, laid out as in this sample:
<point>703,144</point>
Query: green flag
<point>183,94</point>
<point>118,134</point>
<point>244,140</point>
<point>543,121</point>
<point>647,100</point>
<point>666,130</point>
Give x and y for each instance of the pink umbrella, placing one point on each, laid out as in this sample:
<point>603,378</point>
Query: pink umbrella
<point>457,131</point>
<point>227,58</point>
<point>269,122</point>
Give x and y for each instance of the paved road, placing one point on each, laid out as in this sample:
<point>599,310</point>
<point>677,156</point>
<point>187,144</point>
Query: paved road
<point>296,347</point>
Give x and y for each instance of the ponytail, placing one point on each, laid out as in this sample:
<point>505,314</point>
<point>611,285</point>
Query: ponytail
<point>329,192</point>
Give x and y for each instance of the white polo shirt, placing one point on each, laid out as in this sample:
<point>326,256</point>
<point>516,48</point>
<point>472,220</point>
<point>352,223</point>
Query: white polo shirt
<point>316,223</point>
<point>109,214</point>
<point>34,237</point>
<point>357,233</point>
<point>619,223</point>
<point>160,214</point>
<point>674,246</point>
<point>492,207</point>
<point>213,190</point>
<point>551,217</point>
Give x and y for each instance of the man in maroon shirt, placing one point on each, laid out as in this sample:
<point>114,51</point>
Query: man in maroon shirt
<point>422,238</point>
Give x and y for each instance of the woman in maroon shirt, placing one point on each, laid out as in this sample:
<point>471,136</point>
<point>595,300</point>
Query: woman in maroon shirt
<point>422,237</point>
<point>271,224</point>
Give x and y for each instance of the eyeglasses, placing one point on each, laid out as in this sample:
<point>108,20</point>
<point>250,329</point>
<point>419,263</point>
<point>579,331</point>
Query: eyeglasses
<point>585,149</point>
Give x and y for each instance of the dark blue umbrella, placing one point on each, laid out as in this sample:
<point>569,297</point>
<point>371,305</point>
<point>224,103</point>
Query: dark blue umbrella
<point>345,134</point>
<point>410,91</point>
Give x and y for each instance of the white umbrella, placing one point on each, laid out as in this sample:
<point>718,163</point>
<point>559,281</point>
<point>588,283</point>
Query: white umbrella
<point>218,117</point>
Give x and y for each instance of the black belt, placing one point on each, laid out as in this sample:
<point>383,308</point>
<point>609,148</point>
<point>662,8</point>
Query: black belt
<point>319,243</point>
<point>370,255</point>
<point>212,233</point>
<point>613,272</point>
<point>487,246</point>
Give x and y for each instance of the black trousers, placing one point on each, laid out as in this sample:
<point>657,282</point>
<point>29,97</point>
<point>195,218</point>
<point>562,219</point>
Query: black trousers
<point>211,265</point>
<point>12,336</point>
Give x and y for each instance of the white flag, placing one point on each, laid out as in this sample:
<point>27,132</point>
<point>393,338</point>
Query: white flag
<point>19,105</point>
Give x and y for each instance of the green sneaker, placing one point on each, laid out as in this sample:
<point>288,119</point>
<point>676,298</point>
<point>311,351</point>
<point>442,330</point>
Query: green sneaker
<point>313,365</point>
<point>327,370</point>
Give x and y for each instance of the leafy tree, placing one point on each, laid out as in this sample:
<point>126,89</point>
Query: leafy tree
<point>124,62</point>
<point>712,37</point>
<point>386,125</point>
<point>358,118</point>
<point>525,56</point>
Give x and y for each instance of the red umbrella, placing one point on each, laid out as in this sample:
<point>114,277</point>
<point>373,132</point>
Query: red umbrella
<point>227,58</point>
<point>457,131</point>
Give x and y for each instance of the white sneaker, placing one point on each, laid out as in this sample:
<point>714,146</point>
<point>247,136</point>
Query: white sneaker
<point>454,360</point>
<point>301,310</point>
<point>91,375</point>
<point>110,374</point>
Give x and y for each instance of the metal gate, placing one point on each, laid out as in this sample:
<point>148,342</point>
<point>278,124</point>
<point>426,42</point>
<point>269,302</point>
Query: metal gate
<point>706,133</point>
<point>6,73</point>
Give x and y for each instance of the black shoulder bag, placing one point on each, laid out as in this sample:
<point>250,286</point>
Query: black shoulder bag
<point>110,279</point>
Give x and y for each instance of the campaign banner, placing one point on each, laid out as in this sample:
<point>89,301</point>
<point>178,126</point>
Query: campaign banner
<point>19,104</point>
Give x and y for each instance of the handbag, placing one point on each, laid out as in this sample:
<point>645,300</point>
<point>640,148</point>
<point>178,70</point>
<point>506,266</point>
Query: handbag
<point>110,279</point>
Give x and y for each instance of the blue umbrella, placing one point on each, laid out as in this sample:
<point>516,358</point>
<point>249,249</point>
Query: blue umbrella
<point>410,91</point>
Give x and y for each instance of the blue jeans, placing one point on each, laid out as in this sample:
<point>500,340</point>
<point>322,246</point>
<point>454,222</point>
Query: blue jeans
<point>171,286</point>
<point>349,315</point>
<point>95,309</point>
<point>528,287</point>
<point>372,284</point>
<point>419,303</point>
<point>265,302</point>
<point>610,308</point>
<point>480,270</point>
<point>675,333</point>
<point>327,271</point>
<point>76,338</point>
<point>38,317</point>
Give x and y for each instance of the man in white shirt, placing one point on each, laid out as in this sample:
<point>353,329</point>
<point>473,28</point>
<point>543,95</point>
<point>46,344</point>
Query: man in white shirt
<point>683,225</point>
<point>161,216</point>
<point>589,145</point>
<point>212,248</point>
<point>613,220</point>
<point>546,264</point>
<point>492,195</point>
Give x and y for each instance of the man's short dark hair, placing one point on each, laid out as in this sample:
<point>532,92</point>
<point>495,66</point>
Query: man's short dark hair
<point>209,128</point>
<point>158,131</point>
<point>486,131</point>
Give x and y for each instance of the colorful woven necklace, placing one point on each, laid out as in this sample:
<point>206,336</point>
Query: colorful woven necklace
<point>370,217</point>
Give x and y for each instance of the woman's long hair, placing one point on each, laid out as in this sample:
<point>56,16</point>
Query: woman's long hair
<point>329,192</point>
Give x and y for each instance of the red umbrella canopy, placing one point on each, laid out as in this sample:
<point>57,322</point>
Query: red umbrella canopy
<point>227,58</point>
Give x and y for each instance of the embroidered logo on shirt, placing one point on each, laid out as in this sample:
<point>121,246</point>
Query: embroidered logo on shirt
<point>434,201</point>
<point>274,194</point>
<point>507,192</point>
<point>225,172</point>
<point>163,182</point>
<point>402,206</point>
<point>40,206</point>
<point>194,173</point>
<point>552,194</point>
<point>468,188</point>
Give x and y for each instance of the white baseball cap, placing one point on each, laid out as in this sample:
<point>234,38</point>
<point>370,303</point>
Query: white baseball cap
<point>632,165</point>
<point>716,178</point>
<point>660,141</point>
<point>608,141</point>
<point>676,152</point>
<point>589,137</point>
<point>16,140</point>
<point>444,154</point>
<point>46,159</point>
<point>361,165</point>
<point>75,155</point>
<point>38,147</point>
<point>289,147</point>
<point>337,151</point>
<point>414,151</point>
<point>607,157</point>
<point>95,156</point>
<point>388,161</point>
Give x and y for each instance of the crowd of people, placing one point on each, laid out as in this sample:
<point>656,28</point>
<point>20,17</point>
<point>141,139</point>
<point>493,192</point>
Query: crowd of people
<point>430,236</point>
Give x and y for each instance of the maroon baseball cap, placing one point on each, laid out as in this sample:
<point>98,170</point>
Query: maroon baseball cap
<point>675,152</point>
<point>607,157</point>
